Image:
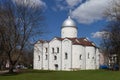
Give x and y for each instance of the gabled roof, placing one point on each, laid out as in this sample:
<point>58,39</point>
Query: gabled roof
<point>86,42</point>
<point>59,38</point>
<point>82,41</point>
<point>75,41</point>
<point>41,41</point>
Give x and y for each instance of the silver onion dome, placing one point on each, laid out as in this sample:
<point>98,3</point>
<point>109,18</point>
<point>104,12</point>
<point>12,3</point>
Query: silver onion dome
<point>69,23</point>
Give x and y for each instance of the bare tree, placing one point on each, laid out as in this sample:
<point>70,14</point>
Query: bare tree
<point>105,46</point>
<point>19,23</point>
<point>113,12</point>
<point>26,59</point>
<point>112,44</point>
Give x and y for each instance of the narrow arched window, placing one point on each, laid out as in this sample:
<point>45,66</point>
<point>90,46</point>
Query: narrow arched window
<point>38,57</point>
<point>46,50</point>
<point>88,56</point>
<point>52,50</point>
<point>46,57</point>
<point>66,56</point>
<point>57,49</point>
<point>55,57</point>
<point>80,57</point>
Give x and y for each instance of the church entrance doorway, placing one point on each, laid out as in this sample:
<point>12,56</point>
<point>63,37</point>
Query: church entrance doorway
<point>56,66</point>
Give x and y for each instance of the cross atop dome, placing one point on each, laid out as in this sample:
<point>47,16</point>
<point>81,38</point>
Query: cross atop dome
<point>69,22</point>
<point>69,14</point>
<point>69,17</point>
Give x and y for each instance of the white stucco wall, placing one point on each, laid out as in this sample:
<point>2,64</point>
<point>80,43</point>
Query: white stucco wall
<point>73,60</point>
<point>78,63</point>
<point>54,44</point>
<point>66,48</point>
<point>69,32</point>
<point>45,54</point>
<point>97,58</point>
<point>90,57</point>
<point>38,59</point>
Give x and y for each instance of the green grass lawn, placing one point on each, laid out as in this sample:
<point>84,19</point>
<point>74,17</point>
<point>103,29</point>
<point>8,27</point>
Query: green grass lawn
<point>63,75</point>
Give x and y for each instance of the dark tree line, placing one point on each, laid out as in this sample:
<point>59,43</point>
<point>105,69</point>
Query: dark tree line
<point>19,23</point>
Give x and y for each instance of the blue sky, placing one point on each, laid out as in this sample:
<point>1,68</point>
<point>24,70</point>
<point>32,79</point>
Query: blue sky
<point>88,15</point>
<point>55,15</point>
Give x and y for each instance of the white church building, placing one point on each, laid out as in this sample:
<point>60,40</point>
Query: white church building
<point>67,52</point>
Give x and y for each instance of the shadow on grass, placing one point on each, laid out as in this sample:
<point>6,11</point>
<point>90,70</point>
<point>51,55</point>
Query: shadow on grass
<point>25,72</point>
<point>9,74</point>
<point>36,71</point>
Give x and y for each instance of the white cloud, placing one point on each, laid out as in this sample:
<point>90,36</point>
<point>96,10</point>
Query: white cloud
<point>72,3</point>
<point>60,5</point>
<point>31,3</point>
<point>87,12</point>
<point>90,11</point>
<point>66,4</point>
<point>102,34</point>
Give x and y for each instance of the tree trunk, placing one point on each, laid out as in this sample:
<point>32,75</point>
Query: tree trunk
<point>11,69</point>
<point>119,61</point>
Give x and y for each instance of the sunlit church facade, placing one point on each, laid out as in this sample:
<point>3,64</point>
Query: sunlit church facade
<point>67,52</point>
